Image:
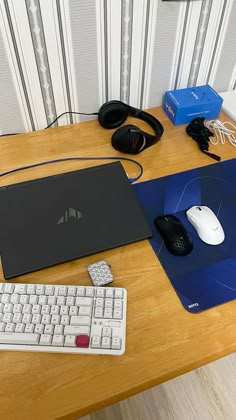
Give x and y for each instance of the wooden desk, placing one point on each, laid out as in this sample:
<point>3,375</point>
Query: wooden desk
<point>163,339</point>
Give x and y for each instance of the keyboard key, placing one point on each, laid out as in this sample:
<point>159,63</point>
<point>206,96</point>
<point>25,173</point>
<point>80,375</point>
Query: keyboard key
<point>7,318</point>
<point>15,298</point>
<point>108,303</point>
<point>33,299</point>
<point>36,319</point>
<point>42,300</point>
<point>80,291</point>
<point>100,292</point>
<point>109,293</point>
<point>24,299</point>
<point>118,293</point>
<point>31,289</point>
<point>76,330</point>
<point>29,328</point>
<point>19,338</point>
<point>10,327</point>
<point>118,304</point>
<point>80,320</point>
<point>49,290</point>
<point>61,300</point>
<point>20,328</point>
<point>17,308</point>
<point>55,319</point>
<point>65,319</point>
<point>100,302</point>
<point>108,313</point>
<point>27,309</point>
<point>106,332</point>
<point>83,301</point>
<point>117,314</point>
<point>89,291</point>
<point>70,341</point>
<point>9,288</point>
<point>96,342</point>
<point>2,326</point>
<point>8,308</point>
<point>70,301</point>
<point>40,289</point>
<point>71,291</point>
<point>46,319</point>
<point>55,310</point>
<point>45,340</point>
<point>36,309</point>
<point>58,330</point>
<point>5,298</point>
<point>106,342</point>
<point>64,310</point>
<point>48,329</point>
<point>58,340</point>
<point>98,313</point>
<point>116,343</point>
<point>62,291</point>
<point>73,310</point>
<point>20,289</point>
<point>85,310</point>
<point>82,341</point>
<point>17,318</point>
<point>39,328</point>
<point>27,319</point>
<point>52,300</point>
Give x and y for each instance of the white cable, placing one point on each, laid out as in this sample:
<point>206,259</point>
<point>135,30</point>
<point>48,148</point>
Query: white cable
<point>221,131</point>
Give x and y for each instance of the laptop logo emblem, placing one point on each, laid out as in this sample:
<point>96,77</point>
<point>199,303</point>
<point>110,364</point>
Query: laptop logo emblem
<point>69,215</point>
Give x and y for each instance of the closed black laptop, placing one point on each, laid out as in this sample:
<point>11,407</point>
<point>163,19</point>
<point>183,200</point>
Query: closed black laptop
<point>59,218</point>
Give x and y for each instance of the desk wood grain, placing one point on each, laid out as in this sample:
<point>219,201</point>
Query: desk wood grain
<point>163,339</point>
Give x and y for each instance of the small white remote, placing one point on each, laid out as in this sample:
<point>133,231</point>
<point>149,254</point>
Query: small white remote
<point>100,273</point>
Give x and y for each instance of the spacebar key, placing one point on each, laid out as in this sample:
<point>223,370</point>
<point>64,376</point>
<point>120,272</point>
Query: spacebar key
<point>19,338</point>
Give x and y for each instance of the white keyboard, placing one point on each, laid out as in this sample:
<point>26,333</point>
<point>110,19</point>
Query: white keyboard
<point>62,319</point>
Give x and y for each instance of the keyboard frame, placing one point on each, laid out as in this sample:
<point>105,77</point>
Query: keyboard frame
<point>75,350</point>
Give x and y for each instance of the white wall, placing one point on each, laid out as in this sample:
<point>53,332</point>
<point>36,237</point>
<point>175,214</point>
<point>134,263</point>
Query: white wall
<point>73,55</point>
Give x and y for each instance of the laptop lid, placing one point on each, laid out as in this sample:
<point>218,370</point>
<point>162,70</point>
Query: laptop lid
<point>55,219</point>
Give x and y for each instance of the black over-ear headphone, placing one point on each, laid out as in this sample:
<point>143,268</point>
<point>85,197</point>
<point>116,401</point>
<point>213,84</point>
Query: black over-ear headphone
<point>129,138</point>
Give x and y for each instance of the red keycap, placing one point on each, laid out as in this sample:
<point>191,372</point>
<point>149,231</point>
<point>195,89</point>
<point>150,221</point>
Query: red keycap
<point>82,340</point>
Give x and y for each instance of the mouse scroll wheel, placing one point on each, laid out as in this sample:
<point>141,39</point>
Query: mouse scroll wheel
<point>199,208</point>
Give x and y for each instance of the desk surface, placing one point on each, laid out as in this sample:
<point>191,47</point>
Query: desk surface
<point>163,339</point>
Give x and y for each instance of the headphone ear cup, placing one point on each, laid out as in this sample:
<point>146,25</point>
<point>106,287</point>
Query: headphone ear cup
<point>128,139</point>
<point>112,114</point>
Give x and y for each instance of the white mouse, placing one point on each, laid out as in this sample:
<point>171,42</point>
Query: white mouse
<point>206,224</point>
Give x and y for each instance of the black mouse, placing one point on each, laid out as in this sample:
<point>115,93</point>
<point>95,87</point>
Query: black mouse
<point>176,237</point>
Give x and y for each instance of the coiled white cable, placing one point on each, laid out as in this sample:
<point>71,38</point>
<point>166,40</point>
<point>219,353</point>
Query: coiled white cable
<point>221,131</point>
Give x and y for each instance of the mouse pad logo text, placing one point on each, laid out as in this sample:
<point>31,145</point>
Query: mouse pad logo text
<point>69,216</point>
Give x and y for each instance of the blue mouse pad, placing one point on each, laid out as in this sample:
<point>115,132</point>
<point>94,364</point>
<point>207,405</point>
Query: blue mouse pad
<point>207,276</point>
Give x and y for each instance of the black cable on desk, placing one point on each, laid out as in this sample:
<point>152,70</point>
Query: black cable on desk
<point>197,130</point>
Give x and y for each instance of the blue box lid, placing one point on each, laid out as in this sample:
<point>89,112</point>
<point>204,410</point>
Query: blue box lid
<point>193,96</point>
